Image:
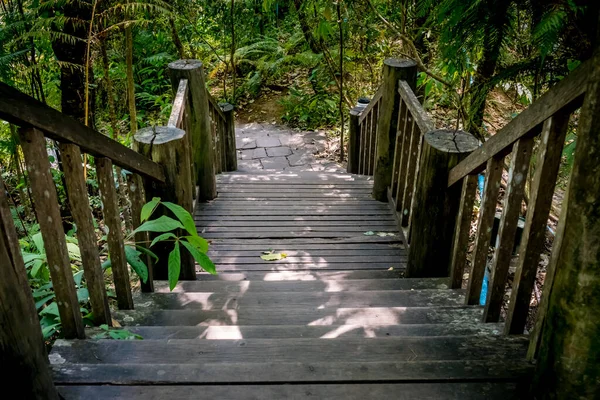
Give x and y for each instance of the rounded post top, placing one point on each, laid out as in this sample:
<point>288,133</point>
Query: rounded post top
<point>400,63</point>
<point>159,134</point>
<point>185,64</point>
<point>451,141</point>
<point>226,107</point>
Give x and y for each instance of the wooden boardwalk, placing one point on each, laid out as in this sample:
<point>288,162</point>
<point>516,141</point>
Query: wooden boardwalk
<point>334,319</point>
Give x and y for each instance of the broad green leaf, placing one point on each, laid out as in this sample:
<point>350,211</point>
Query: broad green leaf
<point>31,257</point>
<point>182,215</point>
<point>74,251</point>
<point>174,266</point>
<point>106,264</point>
<point>77,277</point>
<point>39,242</point>
<point>83,295</point>
<point>149,208</point>
<point>198,242</point>
<point>273,256</point>
<point>40,303</point>
<point>147,252</point>
<point>162,224</point>
<point>35,269</point>
<point>164,236</point>
<point>200,258</point>
<point>52,309</point>
<point>133,258</point>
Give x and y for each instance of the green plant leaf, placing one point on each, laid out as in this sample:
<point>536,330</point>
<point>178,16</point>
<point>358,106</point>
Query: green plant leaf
<point>132,255</point>
<point>147,252</point>
<point>198,242</point>
<point>149,208</point>
<point>38,241</point>
<point>52,309</point>
<point>83,295</point>
<point>200,258</point>
<point>174,266</point>
<point>164,236</point>
<point>182,215</point>
<point>162,224</point>
<point>273,256</point>
<point>44,300</point>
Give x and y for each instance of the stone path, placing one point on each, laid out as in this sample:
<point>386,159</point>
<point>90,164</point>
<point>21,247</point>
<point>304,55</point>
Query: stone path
<point>263,146</point>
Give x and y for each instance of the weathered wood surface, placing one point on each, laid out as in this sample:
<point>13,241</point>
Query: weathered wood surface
<point>421,117</point>
<point>354,141</point>
<point>22,110</point>
<point>376,98</point>
<point>47,212</point>
<point>534,234</point>
<point>435,207</point>
<point>487,213</point>
<point>463,230</point>
<point>178,110</point>
<point>449,391</point>
<point>23,360</point>
<point>230,144</point>
<point>202,152</point>
<point>412,155</point>
<point>114,238</point>
<point>86,233</point>
<point>567,95</point>
<point>513,199</point>
<point>394,71</point>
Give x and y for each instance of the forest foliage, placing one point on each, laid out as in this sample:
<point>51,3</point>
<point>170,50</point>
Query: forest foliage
<point>105,62</point>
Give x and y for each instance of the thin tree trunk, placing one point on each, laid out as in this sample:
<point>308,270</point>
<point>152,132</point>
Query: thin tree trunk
<point>176,39</point>
<point>232,57</point>
<point>341,28</point>
<point>130,85</point>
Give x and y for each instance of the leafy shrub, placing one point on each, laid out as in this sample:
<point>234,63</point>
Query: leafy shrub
<point>310,111</point>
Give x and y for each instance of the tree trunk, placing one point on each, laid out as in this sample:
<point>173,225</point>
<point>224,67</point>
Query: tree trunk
<point>130,85</point>
<point>176,39</point>
<point>306,31</point>
<point>232,56</point>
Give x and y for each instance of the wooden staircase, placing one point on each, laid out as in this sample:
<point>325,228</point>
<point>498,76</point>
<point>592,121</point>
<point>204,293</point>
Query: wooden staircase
<point>335,319</point>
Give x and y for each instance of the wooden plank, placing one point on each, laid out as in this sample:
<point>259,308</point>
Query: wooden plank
<point>407,129</point>
<point>290,259</point>
<point>290,350</point>
<point>178,110</point>
<point>295,185</point>
<point>567,95</point>
<point>261,266</point>
<point>420,116</point>
<point>487,213</point>
<point>86,233</point>
<point>389,251</point>
<point>323,284</point>
<point>215,105</point>
<point>372,103</point>
<point>301,316</point>
<point>112,219</point>
<point>327,228</point>
<point>408,391</point>
<point>513,198</point>
<point>412,155</point>
<point>542,190</point>
<point>230,144</point>
<point>199,218</point>
<point>242,301</point>
<point>22,110</point>
<point>356,242</point>
<point>313,191</point>
<point>312,331</point>
<point>23,359</point>
<point>386,225</point>
<point>291,213</point>
<point>280,235</point>
<point>298,276</point>
<point>48,216</point>
<point>463,231</point>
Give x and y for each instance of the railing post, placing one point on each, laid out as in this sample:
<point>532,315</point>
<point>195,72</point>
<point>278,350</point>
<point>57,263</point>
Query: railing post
<point>393,71</point>
<point>23,360</point>
<point>230,145</point>
<point>436,206</point>
<point>354,141</point>
<point>567,365</point>
<point>202,151</point>
<point>167,146</point>
<point>47,211</point>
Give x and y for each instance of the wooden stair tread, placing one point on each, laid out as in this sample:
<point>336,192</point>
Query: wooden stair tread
<point>299,276</point>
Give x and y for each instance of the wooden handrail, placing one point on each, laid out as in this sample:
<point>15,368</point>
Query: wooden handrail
<point>371,105</point>
<point>178,110</point>
<point>23,110</point>
<point>215,105</point>
<point>567,94</point>
<point>415,108</point>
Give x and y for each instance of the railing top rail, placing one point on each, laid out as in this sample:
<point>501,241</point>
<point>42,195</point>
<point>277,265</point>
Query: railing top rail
<point>417,111</point>
<point>568,93</point>
<point>23,110</point>
<point>215,105</point>
<point>371,104</point>
<point>178,109</point>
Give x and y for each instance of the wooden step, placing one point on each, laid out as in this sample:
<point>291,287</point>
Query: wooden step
<point>242,300</point>
<point>296,350</point>
<point>300,316</point>
<point>297,276</point>
<point>401,391</point>
<point>290,259</point>
<point>272,266</point>
<point>291,285</point>
<point>311,331</point>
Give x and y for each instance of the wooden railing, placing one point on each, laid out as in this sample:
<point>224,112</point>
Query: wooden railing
<point>362,143</point>
<point>168,162</point>
<point>223,131</point>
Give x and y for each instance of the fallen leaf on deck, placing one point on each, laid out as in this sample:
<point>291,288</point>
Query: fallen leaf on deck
<point>369,233</point>
<point>273,256</point>
<point>384,234</point>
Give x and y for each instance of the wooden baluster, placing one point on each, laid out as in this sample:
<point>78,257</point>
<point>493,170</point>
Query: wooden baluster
<point>86,234</point>
<point>363,147</point>
<point>487,213</point>
<point>413,155</point>
<point>216,141</point>
<point>48,215</point>
<point>202,152</point>
<point>23,358</point>
<point>142,239</point>
<point>112,219</point>
<point>407,128</point>
<point>167,146</point>
<point>223,133</point>
<point>517,176</point>
<point>436,207</point>
<point>354,142</point>
<point>396,174</point>
<point>230,143</point>
<point>463,230</point>
<point>393,71</point>
<point>368,134</point>
<point>373,145</point>
<point>542,189</point>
